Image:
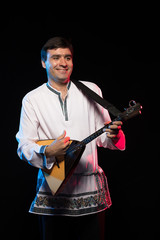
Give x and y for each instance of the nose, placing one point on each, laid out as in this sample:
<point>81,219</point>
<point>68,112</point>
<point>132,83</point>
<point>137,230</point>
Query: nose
<point>63,62</point>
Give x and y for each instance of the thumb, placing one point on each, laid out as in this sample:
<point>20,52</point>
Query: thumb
<point>62,136</point>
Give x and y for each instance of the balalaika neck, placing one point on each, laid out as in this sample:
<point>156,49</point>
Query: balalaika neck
<point>93,136</point>
<point>88,139</point>
<point>98,133</point>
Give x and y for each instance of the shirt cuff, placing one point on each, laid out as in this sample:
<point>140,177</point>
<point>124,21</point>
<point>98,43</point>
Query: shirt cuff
<point>47,162</point>
<point>120,143</point>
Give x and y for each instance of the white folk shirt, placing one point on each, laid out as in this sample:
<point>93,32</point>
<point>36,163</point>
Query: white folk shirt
<point>45,116</point>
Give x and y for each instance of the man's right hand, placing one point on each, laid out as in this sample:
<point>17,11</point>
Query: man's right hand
<point>58,147</point>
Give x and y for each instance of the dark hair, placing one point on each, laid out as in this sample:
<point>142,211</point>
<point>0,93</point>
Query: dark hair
<point>54,43</point>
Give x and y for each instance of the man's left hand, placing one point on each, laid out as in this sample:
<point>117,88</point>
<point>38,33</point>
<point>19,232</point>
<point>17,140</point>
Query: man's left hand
<point>113,130</point>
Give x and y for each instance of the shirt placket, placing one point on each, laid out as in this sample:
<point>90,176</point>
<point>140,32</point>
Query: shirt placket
<point>62,103</point>
<point>64,107</point>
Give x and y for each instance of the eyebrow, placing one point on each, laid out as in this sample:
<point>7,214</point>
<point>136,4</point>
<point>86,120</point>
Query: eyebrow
<point>59,55</point>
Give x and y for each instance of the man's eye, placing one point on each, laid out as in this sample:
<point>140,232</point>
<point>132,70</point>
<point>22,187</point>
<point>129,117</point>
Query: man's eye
<point>55,58</point>
<point>68,58</point>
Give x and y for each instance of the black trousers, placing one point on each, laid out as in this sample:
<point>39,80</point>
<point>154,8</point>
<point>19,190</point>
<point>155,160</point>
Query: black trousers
<point>90,227</point>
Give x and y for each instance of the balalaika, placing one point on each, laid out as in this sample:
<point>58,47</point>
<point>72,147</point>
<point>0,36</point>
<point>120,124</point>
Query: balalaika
<point>62,170</point>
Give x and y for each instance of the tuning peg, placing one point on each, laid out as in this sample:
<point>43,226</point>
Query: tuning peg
<point>132,103</point>
<point>140,110</point>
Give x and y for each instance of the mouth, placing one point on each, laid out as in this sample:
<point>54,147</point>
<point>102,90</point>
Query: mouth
<point>62,70</point>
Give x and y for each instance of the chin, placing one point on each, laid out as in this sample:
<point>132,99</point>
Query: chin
<point>63,80</point>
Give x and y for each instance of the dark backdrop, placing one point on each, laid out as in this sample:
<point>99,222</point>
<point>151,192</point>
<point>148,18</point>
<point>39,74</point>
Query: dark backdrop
<point>124,63</point>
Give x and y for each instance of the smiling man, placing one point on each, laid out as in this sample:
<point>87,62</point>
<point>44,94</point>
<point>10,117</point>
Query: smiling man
<point>51,111</point>
<point>58,65</point>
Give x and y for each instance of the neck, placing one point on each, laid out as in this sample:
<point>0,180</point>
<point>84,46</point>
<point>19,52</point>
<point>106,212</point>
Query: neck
<point>59,85</point>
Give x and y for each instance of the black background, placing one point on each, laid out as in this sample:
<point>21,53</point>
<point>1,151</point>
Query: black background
<point>124,62</point>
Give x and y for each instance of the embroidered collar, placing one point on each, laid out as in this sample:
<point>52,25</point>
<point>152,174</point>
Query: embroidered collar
<point>56,91</point>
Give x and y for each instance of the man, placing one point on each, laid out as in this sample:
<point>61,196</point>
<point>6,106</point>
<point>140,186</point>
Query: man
<point>59,110</point>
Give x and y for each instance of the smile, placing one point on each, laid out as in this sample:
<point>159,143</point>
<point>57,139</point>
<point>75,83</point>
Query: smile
<point>62,70</point>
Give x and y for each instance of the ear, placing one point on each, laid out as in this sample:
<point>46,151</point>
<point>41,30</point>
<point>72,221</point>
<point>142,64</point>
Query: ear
<point>43,64</point>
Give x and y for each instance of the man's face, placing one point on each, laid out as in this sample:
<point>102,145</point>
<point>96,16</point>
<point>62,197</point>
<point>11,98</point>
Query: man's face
<point>59,64</point>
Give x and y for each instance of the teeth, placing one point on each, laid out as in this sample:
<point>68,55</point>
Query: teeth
<point>63,69</point>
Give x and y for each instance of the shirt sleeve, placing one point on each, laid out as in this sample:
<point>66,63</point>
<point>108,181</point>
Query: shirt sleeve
<point>102,116</point>
<point>27,137</point>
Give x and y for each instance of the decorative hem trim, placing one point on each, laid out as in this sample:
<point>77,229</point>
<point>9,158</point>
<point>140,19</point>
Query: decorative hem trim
<point>66,212</point>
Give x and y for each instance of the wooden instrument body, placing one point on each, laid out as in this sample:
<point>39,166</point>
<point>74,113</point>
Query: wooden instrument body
<point>62,170</point>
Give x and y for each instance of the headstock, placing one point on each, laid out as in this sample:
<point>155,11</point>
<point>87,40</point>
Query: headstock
<point>133,110</point>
